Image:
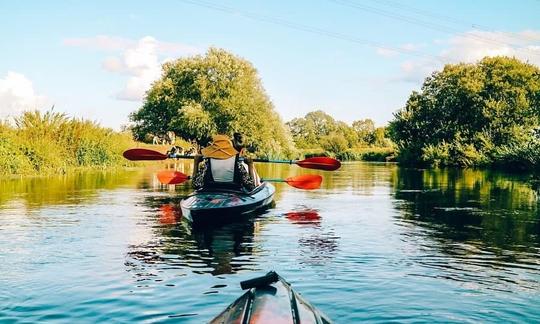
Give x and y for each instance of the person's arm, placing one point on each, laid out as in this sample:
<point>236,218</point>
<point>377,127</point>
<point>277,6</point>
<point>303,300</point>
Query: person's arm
<point>245,176</point>
<point>197,177</point>
<point>196,160</point>
<point>251,168</point>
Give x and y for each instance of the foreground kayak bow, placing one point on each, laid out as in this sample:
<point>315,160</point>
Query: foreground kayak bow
<point>270,299</point>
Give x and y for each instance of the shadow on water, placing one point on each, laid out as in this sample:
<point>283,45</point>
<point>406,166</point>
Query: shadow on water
<point>481,220</point>
<point>217,250</point>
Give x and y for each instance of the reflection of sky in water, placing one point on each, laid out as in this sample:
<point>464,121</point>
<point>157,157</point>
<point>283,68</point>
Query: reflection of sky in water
<point>376,243</point>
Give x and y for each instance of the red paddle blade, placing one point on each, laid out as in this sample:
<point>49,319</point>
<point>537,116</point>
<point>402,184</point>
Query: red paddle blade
<point>320,163</point>
<point>171,177</point>
<point>305,181</point>
<point>140,154</point>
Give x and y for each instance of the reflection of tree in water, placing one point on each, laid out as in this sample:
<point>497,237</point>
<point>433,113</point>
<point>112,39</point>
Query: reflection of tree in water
<point>480,219</point>
<point>220,250</point>
<point>73,188</point>
<point>319,246</point>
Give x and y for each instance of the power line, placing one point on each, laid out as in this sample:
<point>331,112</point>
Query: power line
<point>412,20</point>
<point>453,20</point>
<point>310,29</point>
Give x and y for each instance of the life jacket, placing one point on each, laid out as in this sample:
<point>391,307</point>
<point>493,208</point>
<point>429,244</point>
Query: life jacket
<point>210,183</point>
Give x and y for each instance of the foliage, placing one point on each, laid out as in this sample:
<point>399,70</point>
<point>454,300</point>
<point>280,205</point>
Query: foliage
<point>218,92</point>
<point>467,114</point>
<point>317,129</point>
<point>51,142</point>
<point>335,143</point>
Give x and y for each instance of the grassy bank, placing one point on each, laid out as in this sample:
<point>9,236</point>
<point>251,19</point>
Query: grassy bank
<point>372,154</point>
<point>52,143</point>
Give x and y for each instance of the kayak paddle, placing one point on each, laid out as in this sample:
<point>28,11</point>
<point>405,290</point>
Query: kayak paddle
<point>141,154</point>
<point>305,181</point>
<point>172,177</point>
<point>318,162</point>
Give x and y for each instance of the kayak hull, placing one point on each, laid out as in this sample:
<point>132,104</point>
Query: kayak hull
<point>208,207</point>
<point>271,302</point>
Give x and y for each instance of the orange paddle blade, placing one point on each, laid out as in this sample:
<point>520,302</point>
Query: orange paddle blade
<point>140,154</point>
<point>320,163</point>
<point>172,177</point>
<point>305,181</point>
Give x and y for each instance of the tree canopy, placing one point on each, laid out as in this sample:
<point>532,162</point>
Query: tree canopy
<point>218,92</point>
<point>467,113</point>
<point>317,129</point>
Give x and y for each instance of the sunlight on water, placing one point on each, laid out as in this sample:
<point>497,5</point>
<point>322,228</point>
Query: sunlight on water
<point>376,242</point>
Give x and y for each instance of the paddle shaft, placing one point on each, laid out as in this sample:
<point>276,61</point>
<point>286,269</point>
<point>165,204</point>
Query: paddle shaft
<point>318,163</point>
<point>191,157</point>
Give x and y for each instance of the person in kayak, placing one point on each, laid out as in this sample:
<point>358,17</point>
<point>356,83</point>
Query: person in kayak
<point>239,145</point>
<point>222,167</point>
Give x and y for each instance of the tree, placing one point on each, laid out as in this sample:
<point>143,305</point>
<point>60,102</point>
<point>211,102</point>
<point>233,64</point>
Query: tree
<point>364,128</point>
<point>308,131</point>
<point>468,111</point>
<point>218,92</point>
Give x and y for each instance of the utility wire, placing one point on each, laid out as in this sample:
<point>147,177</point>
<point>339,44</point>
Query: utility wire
<point>310,29</point>
<point>412,20</point>
<point>457,21</point>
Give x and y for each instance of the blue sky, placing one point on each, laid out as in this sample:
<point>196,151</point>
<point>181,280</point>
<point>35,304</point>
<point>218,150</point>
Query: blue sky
<point>351,58</point>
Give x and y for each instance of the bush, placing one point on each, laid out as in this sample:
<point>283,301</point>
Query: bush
<point>52,143</point>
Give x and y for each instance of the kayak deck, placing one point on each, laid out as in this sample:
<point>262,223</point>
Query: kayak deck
<point>270,299</point>
<point>222,205</point>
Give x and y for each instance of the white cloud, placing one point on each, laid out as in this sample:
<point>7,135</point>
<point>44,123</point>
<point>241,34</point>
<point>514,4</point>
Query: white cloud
<point>17,95</point>
<point>471,47</point>
<point>114,43</point>
<point>474,45</point>
<point>385,52</point>
<point>140,59</point>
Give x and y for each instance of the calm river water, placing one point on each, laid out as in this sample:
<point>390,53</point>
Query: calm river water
<point>377,242</point>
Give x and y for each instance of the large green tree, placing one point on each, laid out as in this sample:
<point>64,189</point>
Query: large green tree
<point>218,92</point>
<point>466,113</point>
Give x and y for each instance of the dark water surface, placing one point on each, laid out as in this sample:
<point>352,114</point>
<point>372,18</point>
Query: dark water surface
<point>377,242</point>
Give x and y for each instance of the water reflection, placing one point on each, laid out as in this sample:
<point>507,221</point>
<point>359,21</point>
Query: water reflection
<point>480,220</point>
<point>215,250</point>
<point>73,188</point>
<point>305,216</point>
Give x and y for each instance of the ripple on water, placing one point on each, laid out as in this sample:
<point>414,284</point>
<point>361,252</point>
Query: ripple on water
<point>378,243</point>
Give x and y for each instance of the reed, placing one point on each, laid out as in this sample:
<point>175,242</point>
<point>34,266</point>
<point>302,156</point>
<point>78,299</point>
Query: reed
<point>52,142</point>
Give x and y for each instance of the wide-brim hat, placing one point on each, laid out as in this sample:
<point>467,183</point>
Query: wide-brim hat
<point>221,148</point>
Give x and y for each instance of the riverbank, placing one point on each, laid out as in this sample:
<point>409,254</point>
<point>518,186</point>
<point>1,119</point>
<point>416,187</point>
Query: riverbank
<point>52,143</point>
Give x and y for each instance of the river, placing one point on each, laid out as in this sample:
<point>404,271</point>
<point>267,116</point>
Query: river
<point>376,243</point>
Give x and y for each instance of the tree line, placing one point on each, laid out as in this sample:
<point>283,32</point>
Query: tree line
<point>219,92</point>
<point>486,113</point>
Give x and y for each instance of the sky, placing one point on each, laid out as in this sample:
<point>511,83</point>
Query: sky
<point>354,59</point>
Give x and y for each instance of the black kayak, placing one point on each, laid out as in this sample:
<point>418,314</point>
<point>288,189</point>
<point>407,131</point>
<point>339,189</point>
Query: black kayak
<point>270,299</point>
<point>216,206</point>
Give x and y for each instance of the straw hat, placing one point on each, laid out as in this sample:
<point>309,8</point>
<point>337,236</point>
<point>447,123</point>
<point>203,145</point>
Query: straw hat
<point>221,148</point>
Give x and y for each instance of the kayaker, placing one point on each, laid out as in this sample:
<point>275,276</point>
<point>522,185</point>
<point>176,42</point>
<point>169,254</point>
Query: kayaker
<point>222,167</point>
<point>239,145</point>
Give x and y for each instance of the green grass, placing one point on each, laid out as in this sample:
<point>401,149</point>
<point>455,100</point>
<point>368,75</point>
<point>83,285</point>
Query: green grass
<point>52,143</point>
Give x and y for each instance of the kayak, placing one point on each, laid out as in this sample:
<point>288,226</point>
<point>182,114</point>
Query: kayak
<point>270,299</point>
<point>213,206</point>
